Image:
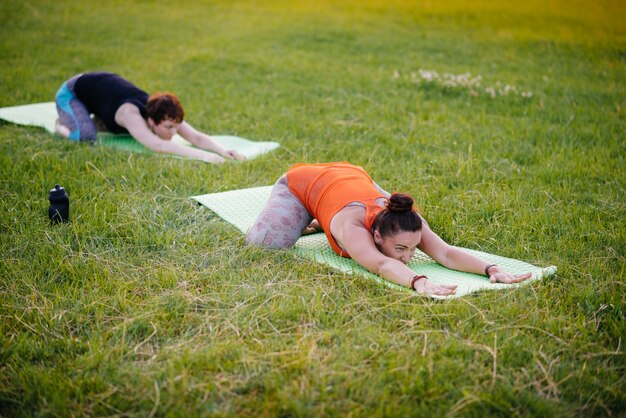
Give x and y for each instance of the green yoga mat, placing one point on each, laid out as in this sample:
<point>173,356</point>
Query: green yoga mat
<point>241,207</point>
<point>44,115</point>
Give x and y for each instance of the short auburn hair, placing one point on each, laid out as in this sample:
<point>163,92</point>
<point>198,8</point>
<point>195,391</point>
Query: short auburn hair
<point>162,106</point>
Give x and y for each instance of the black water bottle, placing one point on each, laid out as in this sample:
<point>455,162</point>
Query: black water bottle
<point>59,210</point>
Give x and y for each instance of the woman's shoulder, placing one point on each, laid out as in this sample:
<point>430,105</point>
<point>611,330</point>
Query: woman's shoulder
<point>128,109</point>
<point>353,215</point>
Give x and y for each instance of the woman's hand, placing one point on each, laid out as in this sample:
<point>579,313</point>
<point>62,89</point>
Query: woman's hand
<point>424,286</point>
<point>234,155</point>
<point>499,276</point>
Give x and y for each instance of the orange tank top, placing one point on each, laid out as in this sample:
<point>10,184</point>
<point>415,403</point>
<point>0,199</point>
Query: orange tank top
<point>326,188</point>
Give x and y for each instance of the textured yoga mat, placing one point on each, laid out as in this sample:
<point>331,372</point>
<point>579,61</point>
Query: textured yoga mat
<point>241,207</point>
<point>43,115</point>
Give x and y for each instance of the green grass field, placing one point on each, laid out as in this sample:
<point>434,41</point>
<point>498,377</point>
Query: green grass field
<point>146,304</point>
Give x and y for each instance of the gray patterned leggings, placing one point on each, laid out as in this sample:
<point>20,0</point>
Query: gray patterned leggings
<point>282,220</point>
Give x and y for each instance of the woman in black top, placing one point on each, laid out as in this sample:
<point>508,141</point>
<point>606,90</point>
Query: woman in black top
<point>123,108</point>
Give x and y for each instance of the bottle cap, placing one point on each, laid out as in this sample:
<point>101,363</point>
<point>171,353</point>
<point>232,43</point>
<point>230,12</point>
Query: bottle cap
<point>57,189</point>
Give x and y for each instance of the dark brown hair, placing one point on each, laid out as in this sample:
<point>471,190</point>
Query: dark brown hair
<point>399,215</point>
<point>162,106</point>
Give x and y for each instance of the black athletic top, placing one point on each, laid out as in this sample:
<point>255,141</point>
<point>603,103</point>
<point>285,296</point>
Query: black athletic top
<point>104,93</point>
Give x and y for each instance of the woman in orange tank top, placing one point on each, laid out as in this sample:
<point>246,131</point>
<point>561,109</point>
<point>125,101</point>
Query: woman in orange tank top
<point>362,221</point>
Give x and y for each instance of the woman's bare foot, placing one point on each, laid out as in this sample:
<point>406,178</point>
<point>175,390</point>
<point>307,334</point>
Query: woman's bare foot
<point>62,130</point>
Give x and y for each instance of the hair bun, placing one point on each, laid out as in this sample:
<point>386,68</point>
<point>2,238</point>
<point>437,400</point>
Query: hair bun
<point>400,202</point>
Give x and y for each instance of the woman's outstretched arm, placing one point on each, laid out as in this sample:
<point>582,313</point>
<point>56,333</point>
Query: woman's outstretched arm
<point>128,116</point>
<point>359,243</point>
<point>204,141</point>
<point>457,259</point>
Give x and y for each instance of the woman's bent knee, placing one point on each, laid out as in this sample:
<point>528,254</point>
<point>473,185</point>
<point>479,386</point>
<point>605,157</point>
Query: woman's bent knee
<point>265,238</point>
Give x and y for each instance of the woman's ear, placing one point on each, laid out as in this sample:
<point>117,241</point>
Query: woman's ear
<point>377,237</point>
<point>151,124</point>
